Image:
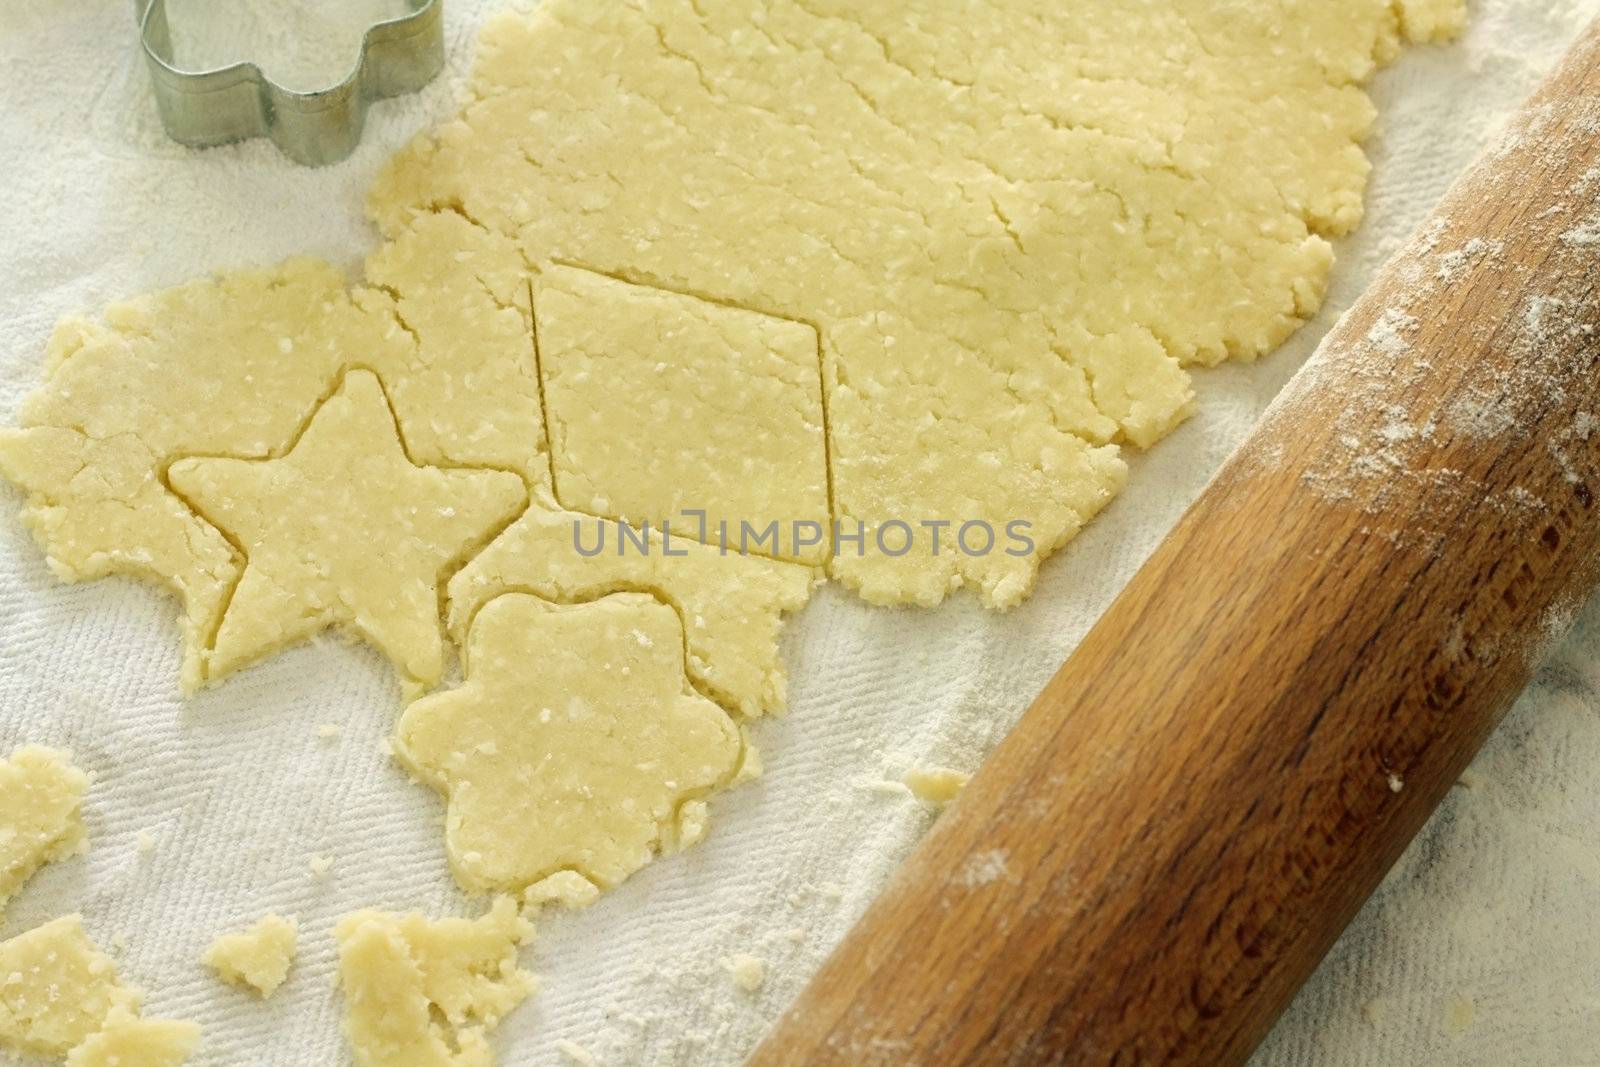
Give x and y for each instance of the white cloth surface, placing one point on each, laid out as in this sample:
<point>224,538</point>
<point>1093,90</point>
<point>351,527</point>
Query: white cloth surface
<point>1481,948</point>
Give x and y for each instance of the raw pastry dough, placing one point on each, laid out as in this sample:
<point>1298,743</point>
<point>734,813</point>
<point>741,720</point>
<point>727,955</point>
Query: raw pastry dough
<point>129,1041</point>
<point>732,605</point>
<point>230,367</point>
<point>1009,232</point>
<point>345,529</point>
<point>424,994</point>
<point>56,988</point>
<point>258,957</point>
<point>661,405</point>
<point>59,995</point>
<point>572,743</point>
<point>935,785</point>
<point>568,890</point>
<point>1006,229</point>
<point>235,367</point>
<point>41,795</point>
<point>1012,225</point>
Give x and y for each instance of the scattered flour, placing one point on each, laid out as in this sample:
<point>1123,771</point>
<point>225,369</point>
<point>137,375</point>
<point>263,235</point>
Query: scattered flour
<point>985,868</point>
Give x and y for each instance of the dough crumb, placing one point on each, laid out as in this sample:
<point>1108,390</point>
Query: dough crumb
<point>428,991</point>
<point>60,996</point>
<point>41,818</point>
<point>935,785</point>
<point>145,843</point>
<point>749,972</point>
<point>693,821</point>
<point>573,1052</point>
<point>258,957</point>
<point>1396,783</point>
<point>568,890</point>
<point>320,866</point>
<point>129,1041</point>
<point>328,731</point>
<point>1459,1016</point>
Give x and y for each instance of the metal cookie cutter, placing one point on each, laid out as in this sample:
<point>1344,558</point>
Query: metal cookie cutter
<point>201,108</point>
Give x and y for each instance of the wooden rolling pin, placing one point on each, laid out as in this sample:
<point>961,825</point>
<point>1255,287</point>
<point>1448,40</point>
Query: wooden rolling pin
<point>1156,858</point>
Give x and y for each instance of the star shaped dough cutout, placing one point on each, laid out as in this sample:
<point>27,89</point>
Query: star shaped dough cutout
<point>345,530</point>
<point>573,744</point>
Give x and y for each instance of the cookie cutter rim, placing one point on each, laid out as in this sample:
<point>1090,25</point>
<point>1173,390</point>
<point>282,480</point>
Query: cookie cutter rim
<point>221,105</point>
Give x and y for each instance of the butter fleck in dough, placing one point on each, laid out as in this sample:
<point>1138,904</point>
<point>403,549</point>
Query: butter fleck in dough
<point>572,743</point>
<point>60,996</point>
<point>258,957</point>
<point>661,404</point>
<point>41,797</point>
<point>425,994</point>
<point>345,529</point>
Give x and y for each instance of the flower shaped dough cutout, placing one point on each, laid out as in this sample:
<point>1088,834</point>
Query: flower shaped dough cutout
<point>572,744</point>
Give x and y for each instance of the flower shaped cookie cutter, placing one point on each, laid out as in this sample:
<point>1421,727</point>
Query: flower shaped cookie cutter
<point>201,108</point>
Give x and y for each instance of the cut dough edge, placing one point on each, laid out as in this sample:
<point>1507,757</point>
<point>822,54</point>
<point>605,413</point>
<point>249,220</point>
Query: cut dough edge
<point>405,192</point>
<point>453,718</point>
<point>40,457</point>
<point>350,377</point>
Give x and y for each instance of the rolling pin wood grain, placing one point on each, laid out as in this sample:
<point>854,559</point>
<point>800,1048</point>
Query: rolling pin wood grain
<point>1159,854</point>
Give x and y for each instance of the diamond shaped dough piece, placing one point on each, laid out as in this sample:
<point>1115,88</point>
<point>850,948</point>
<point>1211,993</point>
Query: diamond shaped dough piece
<point>661,405</point>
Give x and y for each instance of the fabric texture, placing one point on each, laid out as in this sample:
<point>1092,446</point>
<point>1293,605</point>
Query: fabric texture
<point>1480,949</point>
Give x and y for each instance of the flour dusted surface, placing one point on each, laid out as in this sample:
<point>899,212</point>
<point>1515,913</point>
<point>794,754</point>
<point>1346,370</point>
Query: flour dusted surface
<point>776,879</point>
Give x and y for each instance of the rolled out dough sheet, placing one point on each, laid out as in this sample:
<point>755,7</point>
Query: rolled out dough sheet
<point>782,872</point>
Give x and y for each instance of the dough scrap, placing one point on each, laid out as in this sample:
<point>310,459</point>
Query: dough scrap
<point>129,1041</point>
<point>571,744</point>
<point>1013,231</point>
<point>935,785</point>
<point>662,405</point>
<point>60,996</point>
<point>41,819</point>
<point>56,988</point>
<point>422,993</point>
<point>345,529</point>
<point>258,957</point>
<point>567,890</point>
